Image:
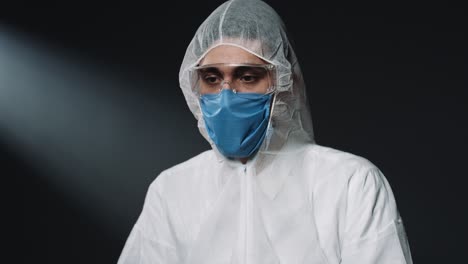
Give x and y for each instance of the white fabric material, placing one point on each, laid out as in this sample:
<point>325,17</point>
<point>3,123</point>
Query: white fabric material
<point>294,202</point>
<point>318,205</point>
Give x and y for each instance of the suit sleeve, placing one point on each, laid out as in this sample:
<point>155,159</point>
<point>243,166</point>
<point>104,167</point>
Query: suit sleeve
<point>151,239</point>
<point>374,232</point>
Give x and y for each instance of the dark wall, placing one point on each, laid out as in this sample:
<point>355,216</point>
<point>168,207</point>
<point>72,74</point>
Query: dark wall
<point>91,112</point>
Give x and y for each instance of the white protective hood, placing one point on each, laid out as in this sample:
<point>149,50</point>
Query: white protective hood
<point>255,27</point>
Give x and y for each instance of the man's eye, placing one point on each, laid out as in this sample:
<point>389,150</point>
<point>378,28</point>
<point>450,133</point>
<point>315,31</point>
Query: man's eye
<point>248,78</point>
<point>211,79</point>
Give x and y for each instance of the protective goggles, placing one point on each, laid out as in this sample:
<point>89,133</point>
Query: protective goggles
<point>240,78</point>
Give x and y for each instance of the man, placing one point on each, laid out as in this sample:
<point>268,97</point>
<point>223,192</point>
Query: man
<point>266,192</point>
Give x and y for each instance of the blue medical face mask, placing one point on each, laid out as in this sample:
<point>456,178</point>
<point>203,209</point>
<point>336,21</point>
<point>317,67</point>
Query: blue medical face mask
<point>236,122</point>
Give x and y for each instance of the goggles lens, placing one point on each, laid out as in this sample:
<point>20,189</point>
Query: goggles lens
<point>241,78</point>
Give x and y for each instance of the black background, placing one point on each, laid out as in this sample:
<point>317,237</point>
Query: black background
<point>385,82</point>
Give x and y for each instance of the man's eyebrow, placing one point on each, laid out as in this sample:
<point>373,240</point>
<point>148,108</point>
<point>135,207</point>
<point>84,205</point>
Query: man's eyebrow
<point>210,70</point>
<point>242,69</point>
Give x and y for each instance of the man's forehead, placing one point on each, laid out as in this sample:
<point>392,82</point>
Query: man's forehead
<point>230,54</point>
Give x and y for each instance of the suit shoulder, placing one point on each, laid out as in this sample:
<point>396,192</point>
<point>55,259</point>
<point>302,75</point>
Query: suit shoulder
<point>181,171</point>
<point>338,163</point>
<point>327,157</point>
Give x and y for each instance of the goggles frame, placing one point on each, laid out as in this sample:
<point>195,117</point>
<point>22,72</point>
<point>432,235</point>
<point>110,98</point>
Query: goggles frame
<point>195,77</point>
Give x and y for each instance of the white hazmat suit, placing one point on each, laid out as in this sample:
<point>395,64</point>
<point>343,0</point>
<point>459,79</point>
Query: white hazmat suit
<point>293,202</point>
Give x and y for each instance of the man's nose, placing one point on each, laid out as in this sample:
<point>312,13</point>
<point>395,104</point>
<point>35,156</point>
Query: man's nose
<point>226,84</point>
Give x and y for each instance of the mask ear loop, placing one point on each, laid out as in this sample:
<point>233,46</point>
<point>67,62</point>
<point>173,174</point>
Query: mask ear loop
<point>269,131</point>
<point>272,107</point>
